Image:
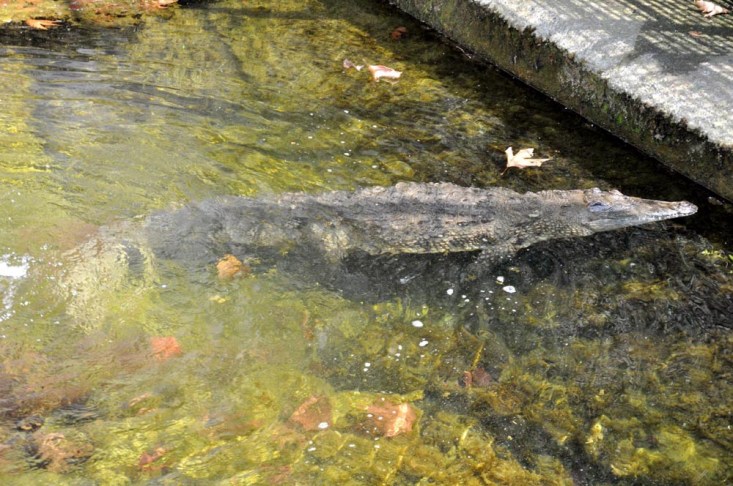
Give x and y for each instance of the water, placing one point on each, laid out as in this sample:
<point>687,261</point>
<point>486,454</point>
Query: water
<point>600,360</point>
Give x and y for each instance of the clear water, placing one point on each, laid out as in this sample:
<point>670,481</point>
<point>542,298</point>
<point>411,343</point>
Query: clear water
<point>601,360</point>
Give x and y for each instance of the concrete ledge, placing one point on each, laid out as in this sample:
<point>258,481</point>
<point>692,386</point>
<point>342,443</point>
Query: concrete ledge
<point>655,73</point>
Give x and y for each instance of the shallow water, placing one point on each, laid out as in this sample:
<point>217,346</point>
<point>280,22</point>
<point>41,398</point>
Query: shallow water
<point>601,360</point>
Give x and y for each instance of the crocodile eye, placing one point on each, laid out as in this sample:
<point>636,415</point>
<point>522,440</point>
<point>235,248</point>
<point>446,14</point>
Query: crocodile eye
<point>598,206</point>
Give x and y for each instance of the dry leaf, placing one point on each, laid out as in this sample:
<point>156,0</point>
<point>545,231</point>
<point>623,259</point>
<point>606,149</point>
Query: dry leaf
<point>390,420</point>
<point>313,414</point>
<point>379,72</point>
<point>41,24</point>
<point>230,266</point>
<point>349,65</point>
<point>145,463</point>
<point>153,5</point>
<point>399,33</point>
<point>165,347</point>
<point>710,8</point>
<point>521,159</point>
<point>479,378</point>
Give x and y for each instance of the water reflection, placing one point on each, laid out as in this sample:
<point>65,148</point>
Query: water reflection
<point>608,362</point>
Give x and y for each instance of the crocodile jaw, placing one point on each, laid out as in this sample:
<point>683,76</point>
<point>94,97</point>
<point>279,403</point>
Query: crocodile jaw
<point>610,210</point>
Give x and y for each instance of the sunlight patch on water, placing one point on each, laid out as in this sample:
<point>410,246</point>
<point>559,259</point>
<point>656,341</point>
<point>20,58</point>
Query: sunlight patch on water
<point>12,268</point>
<point>16,269</point>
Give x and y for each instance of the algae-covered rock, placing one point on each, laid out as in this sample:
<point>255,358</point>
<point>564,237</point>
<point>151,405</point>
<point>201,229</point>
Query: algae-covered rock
<point>61,450</point>
<point>669,429</point>
<point>403,352</point>
<point>450,449</point>
<point>642,408</point>
<point>667,453</point>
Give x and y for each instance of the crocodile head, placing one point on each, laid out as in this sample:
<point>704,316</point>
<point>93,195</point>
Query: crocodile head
<point>610,210</point>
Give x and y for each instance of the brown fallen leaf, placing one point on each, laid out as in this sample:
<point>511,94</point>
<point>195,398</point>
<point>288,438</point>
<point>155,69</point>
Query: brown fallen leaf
<point>521,159</point>
<point>378,72</point>
<point>391,420</point>
<point>399,33</point>
<point>230,266</point>
<point>165,347</point>
<point>710,8</point>
<point>479,378</point>
<point>42,24</point>
<point>153,5</point>
<point>147,458</point>
<point>313,414</point>
<point>350,65</point>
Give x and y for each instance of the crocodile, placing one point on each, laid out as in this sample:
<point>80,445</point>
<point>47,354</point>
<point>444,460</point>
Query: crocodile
<point>319,231</point>
<point>407,218</point>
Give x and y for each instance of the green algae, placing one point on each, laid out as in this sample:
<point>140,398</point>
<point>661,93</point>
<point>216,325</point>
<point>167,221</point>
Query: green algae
<point>98,13</point>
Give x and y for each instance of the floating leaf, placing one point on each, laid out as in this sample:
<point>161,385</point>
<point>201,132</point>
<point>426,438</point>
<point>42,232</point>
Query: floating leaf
<point>522,159</point>
<point>349,65</point>
<point>390,420</point>
<point>165,347</point>
<point>41,24</point>
<point>378,72</point>
<point>710,8</point>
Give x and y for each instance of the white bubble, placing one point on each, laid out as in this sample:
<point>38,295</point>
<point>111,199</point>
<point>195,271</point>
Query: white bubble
<point>417,323</point>
<point>509,289</point>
